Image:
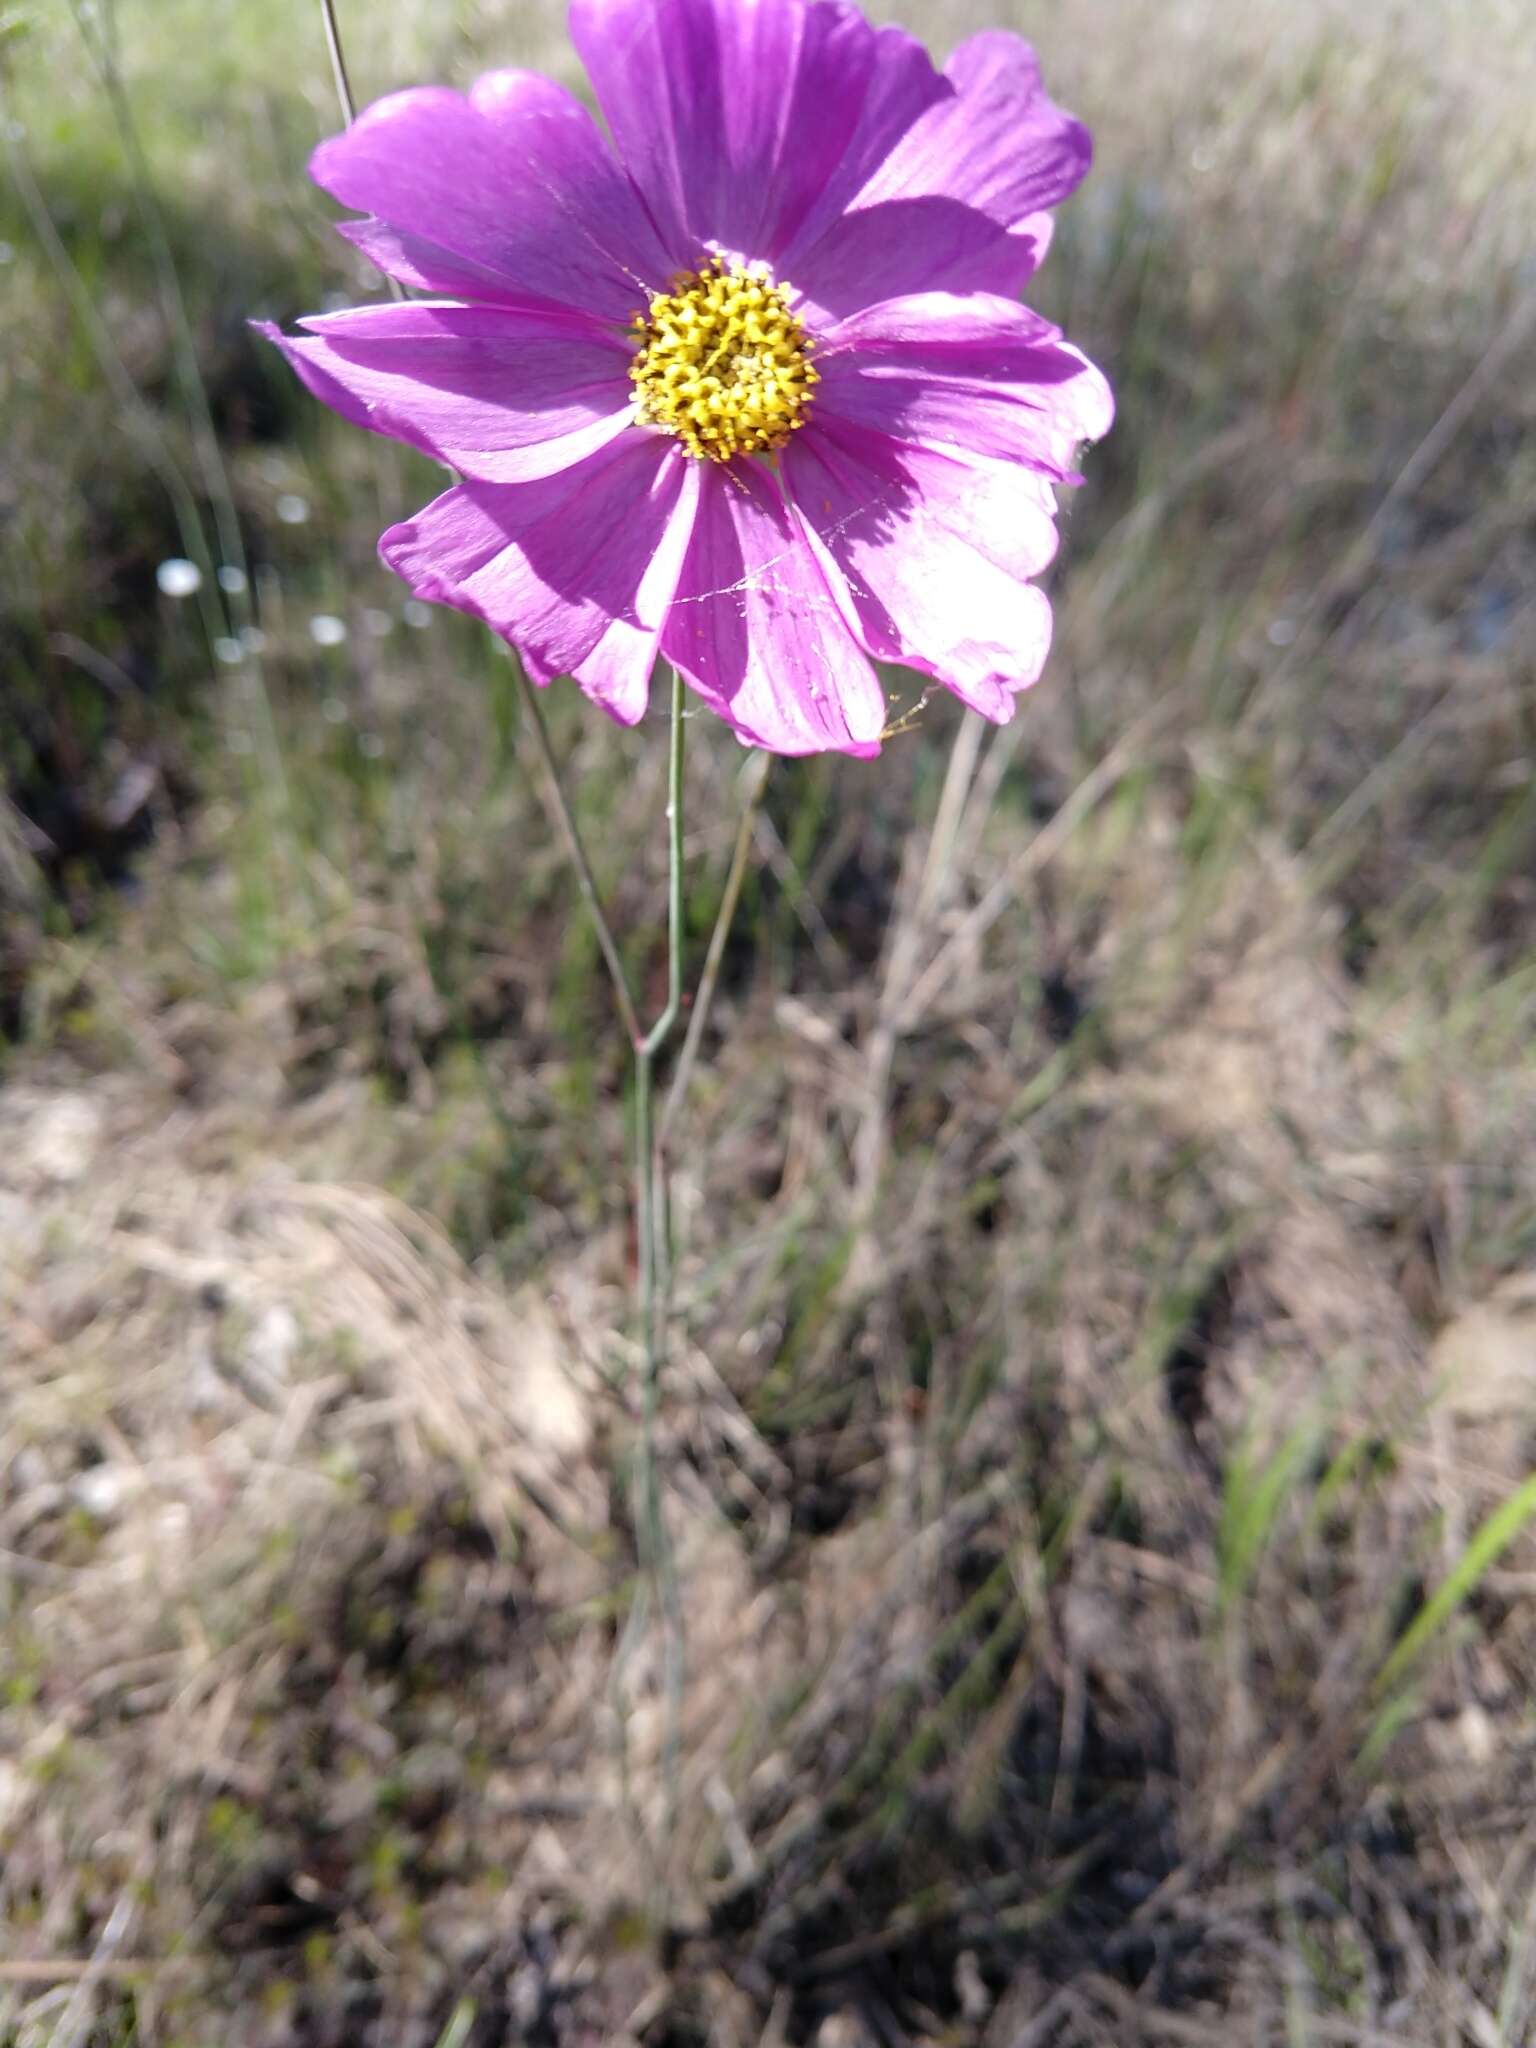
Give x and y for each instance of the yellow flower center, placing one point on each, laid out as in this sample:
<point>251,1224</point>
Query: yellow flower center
<point>722,363</point>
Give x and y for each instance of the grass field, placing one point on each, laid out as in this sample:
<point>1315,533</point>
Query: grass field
<point>1099,1445</point>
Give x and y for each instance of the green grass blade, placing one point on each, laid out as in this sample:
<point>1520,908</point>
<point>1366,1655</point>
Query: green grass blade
<point>1489,1542</point>
<point>456,2033</point>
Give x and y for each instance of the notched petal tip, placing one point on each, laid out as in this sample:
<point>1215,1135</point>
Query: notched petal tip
<point>509,194</point>
<point>333,161</point>
<point>760,627</point>
<point>1091,397</point>
<point>575,571</point>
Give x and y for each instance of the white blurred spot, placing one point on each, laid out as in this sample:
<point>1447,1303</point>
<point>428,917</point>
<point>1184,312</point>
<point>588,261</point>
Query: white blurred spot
<point>230,652</point>
<point>1281,632</point>
<point>333,711</point>
<point>62,1142</point>
<point>1202,157</point>
<point>292,509</point>
<point>370,744</point>
<point>178,577</point>
<point>7,253</point>
<point>1477,1734</point>
<point>970,1987</point>
<point>232,580</point>
<point>252,639</point>
<point>326,630</point>
<point>100,1491</point>
<point>270,1349</point>
<point>415,613</point>
<point>377,623</point>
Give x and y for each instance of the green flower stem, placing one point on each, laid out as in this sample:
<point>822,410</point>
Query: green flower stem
<point>649,1198</point>
<point>653,1275</point>
<point>586,881</point>
<point>754,781</point>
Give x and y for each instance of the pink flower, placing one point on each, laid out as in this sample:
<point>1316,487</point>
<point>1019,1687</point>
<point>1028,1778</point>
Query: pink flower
<point>749,387</point>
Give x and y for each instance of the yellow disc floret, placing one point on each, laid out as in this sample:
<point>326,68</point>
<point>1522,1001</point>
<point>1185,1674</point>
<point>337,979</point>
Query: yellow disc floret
<point>723,363</point>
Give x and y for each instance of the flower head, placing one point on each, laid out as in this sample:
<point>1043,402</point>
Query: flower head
<point>746,384</point>
<point>723,362</point>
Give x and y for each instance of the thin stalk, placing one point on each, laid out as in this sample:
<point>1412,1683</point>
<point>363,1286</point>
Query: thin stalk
<point>647,1187</point>
<point>661,1029</point>
<point>342,80</point>
<point>98,30</point>
<point>653,1258</point>
<point>755,781</point>
<point>565,821</point>
<point>134,414</point>
<point>338,61</point>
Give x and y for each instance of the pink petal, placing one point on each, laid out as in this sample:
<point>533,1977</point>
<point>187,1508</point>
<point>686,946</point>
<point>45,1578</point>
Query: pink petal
<point>923,243</point>
<point>1001,144</point>
<point>503,396</point>
<point>757,630</point>
<point>960,203</point>
<point>577,571</point>
<point>508,196</point>
<point>743,121</point>
<point>936,553</point>
<point>979,374</point>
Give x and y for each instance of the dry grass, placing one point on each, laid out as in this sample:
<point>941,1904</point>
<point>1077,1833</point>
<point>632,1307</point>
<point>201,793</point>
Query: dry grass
<point>1098,1446</point>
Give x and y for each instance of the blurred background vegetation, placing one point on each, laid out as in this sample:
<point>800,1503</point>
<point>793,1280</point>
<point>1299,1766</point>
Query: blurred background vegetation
<point>1099,1444</point>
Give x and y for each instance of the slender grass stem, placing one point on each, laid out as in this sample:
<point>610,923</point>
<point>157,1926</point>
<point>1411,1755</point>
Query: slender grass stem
<point>338,61</point>
<point>754,782</point>
<point>647,1174</point>
<point>653,1264</point>
<point>98,34</point>
<point>135,416</point>
<point>565,821</point>
<point>661,1029</point>
<point>98,31</point>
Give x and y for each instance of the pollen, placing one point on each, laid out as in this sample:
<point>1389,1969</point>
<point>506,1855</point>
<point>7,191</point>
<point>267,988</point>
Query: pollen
<point>723,363</point>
